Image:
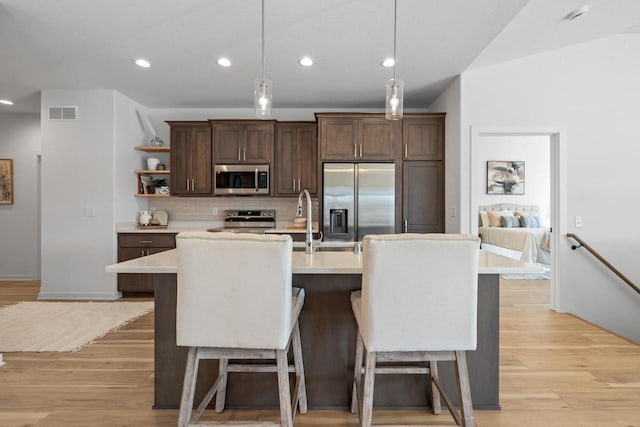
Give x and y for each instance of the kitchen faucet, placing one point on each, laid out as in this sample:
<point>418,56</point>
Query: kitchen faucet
<point>308,243</point>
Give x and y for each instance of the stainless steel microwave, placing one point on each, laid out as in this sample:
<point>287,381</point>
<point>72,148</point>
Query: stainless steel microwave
<point>241,180</point>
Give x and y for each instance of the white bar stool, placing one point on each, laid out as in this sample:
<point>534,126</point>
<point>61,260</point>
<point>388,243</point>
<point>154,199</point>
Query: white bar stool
<point>418,304</point>
<point>235,301</point>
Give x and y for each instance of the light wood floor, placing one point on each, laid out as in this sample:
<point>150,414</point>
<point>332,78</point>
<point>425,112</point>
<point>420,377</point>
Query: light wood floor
<point>556,370</point>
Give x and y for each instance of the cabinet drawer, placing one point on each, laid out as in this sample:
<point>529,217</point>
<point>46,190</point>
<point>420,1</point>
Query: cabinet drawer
<point>146,240</point>
<point>125,254</point>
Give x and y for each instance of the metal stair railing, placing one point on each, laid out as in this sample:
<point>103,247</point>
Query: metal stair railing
<point>582,244</point>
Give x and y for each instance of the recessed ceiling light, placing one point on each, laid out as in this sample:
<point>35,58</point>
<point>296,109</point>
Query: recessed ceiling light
<point>224,62</point>
<point>306,61</point>
<point>143,63</point>
<point>389,62</point>
<point>577,12</point>
<point>6,102</point>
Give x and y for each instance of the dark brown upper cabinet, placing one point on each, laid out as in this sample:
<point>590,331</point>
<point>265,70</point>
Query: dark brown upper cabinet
<point>296,158</point>
<point>243,141</point>
<point>191,158</point>
<point>356,137</point>
<point>423,137</point>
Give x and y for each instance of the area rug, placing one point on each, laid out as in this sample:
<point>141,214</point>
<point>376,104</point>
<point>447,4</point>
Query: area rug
<point>62,326</point>
<point>541,276</point>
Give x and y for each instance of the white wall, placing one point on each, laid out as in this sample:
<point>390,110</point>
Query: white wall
<point>592,89</point>
<point>129,132</point>
<point>86,163</point>
<point>533,150</point>
<point>77,173</point>
<point>19,223</point>
<point>450,102</point>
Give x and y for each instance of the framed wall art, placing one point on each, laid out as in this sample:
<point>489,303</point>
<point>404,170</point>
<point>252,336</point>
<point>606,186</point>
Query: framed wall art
<point>505,177</point>
<point>6,181</point>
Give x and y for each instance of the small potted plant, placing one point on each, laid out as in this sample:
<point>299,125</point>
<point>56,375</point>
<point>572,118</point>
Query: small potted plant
<point>161,185</point>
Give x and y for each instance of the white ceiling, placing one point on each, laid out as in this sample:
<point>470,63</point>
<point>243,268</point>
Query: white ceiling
<point>73,44</point>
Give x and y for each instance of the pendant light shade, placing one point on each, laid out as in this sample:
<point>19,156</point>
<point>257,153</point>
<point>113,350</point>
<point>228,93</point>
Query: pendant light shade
<point>394,104</point>
<point>262,93</point>
<point>263,98</point>
<point>395,87</point>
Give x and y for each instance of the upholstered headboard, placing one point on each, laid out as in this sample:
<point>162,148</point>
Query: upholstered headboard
<point>529,210</point>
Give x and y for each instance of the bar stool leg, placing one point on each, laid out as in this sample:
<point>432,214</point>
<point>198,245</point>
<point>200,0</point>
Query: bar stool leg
<point>367,392</point>
<point>299,364</point>
<point>286,419</point>
<point>436,403</point>
<point>357,374</point>
<point>188,388</point>
<point>221,395</point>
<point>464,389</point>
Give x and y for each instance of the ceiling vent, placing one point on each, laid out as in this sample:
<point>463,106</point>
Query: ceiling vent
<point>63,113</point>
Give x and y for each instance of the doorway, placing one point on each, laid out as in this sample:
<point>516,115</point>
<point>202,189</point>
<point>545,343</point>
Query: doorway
<point>554,137</point>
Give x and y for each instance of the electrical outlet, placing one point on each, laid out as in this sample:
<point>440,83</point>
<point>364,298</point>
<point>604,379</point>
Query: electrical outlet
<point>578,221</point>
<point>453,212</point>
<point>214,211</point>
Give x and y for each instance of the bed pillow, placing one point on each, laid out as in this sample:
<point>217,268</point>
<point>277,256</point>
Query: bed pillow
<point>509,221</point>
<point>532,221</point>
<point>484,219</point>
<point>495,218</point>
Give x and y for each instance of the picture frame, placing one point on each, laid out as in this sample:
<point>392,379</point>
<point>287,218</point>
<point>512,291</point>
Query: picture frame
<point>6,181</point>
<point>505,177</point>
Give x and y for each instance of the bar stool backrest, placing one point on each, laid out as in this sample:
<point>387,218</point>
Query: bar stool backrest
<point>419,292</point>
<point>233,290</point>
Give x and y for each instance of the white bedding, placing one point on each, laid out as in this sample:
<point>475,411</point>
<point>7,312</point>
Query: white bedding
<point>533,243</point>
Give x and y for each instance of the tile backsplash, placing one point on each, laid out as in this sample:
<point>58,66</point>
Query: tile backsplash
<point>201,208</point>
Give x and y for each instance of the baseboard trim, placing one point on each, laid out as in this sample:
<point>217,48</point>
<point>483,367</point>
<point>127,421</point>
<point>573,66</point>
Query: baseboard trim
<point>17,277</point>
<point>106,296</point>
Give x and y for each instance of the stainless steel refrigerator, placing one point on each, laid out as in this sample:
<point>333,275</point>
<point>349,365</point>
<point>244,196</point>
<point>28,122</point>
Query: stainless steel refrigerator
<point>358,199</point>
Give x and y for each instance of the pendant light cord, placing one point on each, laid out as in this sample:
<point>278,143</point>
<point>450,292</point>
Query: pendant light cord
<point>263,41</point>
<point>395,20</point>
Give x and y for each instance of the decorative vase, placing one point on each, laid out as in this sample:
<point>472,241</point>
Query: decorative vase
<point>152,163</point>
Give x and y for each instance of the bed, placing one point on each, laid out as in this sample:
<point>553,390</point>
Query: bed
<point>525,239</point>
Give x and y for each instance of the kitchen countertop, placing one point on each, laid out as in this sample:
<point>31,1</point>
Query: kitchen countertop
<point>178,226</point>
<point>322,262</point>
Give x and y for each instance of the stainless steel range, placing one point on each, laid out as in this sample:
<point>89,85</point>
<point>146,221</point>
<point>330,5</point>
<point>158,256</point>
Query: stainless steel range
<point>248,221</point>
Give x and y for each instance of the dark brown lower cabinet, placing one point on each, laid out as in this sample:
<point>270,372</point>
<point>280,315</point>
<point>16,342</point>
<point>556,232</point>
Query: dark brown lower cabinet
<point>422,197</point>
<point>136,245</point>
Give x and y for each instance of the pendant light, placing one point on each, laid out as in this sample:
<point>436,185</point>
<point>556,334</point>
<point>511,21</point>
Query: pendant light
<point>395,87</point>
<point>262,91</point>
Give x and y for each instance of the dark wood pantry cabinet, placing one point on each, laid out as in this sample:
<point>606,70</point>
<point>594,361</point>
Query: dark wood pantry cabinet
<point>423,197</point>
<point>191,159</point>
<point>296,164</point>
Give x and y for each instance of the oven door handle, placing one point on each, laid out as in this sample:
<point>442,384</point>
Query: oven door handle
<point>256,180</point>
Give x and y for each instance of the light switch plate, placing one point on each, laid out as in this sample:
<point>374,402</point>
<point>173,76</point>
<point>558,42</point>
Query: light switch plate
<point>578,221</point>
<point>89,211</point>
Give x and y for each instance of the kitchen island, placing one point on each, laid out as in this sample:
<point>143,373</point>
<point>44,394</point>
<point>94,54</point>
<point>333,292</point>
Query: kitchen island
<point>328,332</point>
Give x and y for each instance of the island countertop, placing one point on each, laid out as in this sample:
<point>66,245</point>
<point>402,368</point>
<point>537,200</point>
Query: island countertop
<point>321,262</point>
